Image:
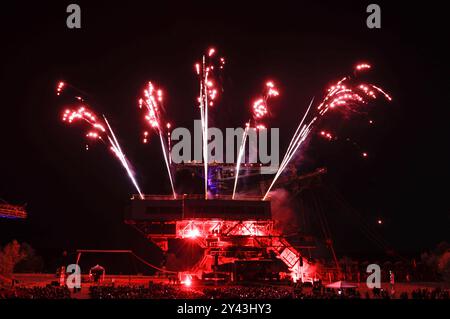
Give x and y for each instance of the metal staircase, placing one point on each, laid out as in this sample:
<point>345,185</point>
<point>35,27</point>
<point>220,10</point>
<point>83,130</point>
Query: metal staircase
<point>292,258</point>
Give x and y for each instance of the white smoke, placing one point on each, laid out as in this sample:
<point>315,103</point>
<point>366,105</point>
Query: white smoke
<point>283,212</point>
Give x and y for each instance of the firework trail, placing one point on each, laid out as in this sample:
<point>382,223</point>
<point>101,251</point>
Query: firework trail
<point>60,88</point>
<point>299,137</point>
<point>344,96</point>
<point>260,110</point>
<point>64,88</point>
<point>207,75</point>
<point>152,102</point>
<point>331,137</point>
<point>100,131</point>
<point>260,107</point>
<point>115,146</point>
<point>240,156</point>
<point>327,135</point>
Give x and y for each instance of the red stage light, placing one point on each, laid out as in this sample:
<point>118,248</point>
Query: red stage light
<point>187,281</point>
<point>193,233</point>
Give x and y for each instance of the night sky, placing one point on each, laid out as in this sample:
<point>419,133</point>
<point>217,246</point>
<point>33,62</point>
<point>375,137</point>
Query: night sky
<point>76,199</point>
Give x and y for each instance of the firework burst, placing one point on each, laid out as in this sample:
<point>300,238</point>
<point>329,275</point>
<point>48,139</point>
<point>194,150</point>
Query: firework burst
<point>343,96</point>
<point>208,72</point>
<point>346,96</point>
<point>260,110</point>
<point>152,102</point>
<point>100,130</point>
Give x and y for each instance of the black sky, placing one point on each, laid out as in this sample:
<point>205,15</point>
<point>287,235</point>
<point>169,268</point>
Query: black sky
<point>77,198</point>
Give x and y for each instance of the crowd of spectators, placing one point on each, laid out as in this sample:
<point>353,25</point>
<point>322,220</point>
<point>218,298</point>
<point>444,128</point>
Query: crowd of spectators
<point>430,294</point>
<point>152,291</point>
<point>46,292</point>
<point>163,291</point>
<point>240,292</point>
<point>6,293</point>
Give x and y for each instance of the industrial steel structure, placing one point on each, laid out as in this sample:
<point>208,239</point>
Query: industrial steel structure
<point>229,231</point>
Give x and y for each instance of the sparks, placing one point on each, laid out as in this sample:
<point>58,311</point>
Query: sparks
<point>102,131</point>
<point>343,96</point>
<point>326,135</point>
<point>208,95</point>
<point>297,140</point>
<point>60,88</point>
<point>363,66</point>
<point>152,102</point>
<point>260,106</point>
<point>259,110</point>
<point>115,147</point>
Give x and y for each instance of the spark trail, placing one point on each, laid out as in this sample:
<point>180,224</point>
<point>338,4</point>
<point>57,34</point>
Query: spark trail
<point>260,109</point>
<point>344,96</point>
<point>115,146</point>
<point>207,72</point>
<point>299,137</point>
<point>101,131</point>
<point>152,102</point>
